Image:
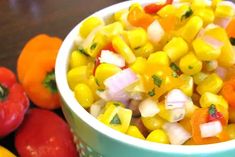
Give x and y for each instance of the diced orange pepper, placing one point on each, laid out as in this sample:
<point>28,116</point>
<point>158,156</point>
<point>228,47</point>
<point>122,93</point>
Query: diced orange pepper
<point>199,117</point>
<point>168,23</point>
<point>228,91</point>
<point>231,28</point>
<point>138,18</point>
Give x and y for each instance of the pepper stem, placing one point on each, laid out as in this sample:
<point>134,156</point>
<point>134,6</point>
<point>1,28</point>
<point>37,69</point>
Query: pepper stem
<point>3,92</point>
<point>49,82</point>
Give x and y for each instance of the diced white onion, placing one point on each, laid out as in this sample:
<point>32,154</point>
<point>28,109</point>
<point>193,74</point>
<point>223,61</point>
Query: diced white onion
<point>97,107</point>
<point>210,129</point>
<point>176,114</point>
<point>216,44</point>
<point>155,32</point>
<point>112,58</point>
<point>120,81</point>
<point>176,133</point>
<point>222,22</point>
<point>222,72</point>
<point>121,96</point>
<point>175,99</point>
<point>148,108</point>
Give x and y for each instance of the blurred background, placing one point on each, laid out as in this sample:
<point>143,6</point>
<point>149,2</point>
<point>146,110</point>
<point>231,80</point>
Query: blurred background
<point>20,20</point>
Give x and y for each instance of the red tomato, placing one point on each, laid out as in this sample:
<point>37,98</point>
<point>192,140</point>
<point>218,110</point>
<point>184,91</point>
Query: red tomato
<point>44,134</point>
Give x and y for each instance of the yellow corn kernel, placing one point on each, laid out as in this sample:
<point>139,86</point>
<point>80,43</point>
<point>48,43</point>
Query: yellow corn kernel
<point>153,123</point>
<point>224,10</point>
<point>121,16</point>
<point>190,65</point>
<point>93,84</point>
<point>176,48</point>
<point>167,11</point>
<point>189,31</point>
<point>112,29</point>
<point>139,66</point>
<point>206,14</point>
<point>227,56</point>
<point>5,153</point>
<point>99,41</point>
<point>115,103</point>
<point>211,65</point>
<point>159,58</point>
<point>209,98</point>
<point>213,83</point>
<point>84,95</point>
<point>123,49</point>
<point>172,115</point>
<point>118,15</point>
<point>77,59</point>
<point>197,4</point>
<point>137,38</point>
<point>199,77</point>
<point>231,131</point>
<point>105,70</point>
<point>135,132</point>
<point>215,2</point>
<point>145,50</point>
<point>77,75</point>
<point>190,108</point>
<point>88,25</point>
<point>135,5</point>
<point>204,51</point>
<point>158,136</point>
<point>187,86</point>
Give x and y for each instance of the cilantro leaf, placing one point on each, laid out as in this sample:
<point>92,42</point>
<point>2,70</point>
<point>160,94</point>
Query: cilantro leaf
<point>157,80</point>
<point>116,120</point>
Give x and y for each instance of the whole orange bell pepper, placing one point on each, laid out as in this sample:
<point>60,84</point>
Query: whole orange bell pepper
<point>35,68</point>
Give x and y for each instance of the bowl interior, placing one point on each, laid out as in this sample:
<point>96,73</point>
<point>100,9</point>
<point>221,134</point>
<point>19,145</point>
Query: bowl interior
<point>68,96</point>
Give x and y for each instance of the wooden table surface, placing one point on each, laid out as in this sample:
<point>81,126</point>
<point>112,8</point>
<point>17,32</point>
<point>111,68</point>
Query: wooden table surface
<point>22,19</point>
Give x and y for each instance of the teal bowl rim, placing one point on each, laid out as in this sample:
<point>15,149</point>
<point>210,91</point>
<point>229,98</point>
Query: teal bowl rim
<point>68,97</point>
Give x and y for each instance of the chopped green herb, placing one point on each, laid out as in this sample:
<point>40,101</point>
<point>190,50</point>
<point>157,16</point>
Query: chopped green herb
<point>116,104</point>
<point>175,75</point>
<point>187,14</point>
<point>137,48</point>
<point>152,92</point>
<point>83,51</point>
<point>232,40</point>
<point>100,90</point>
<point>190,67</point>
<point>93,46</point>
<point>97,82</point>
<point>157,80</point>
<point>115,120</point>
<point>212,110</point>
<point>174,67</point>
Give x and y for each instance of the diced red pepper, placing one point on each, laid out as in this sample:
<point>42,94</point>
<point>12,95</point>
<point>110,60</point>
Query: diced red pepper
<point>153,8</point>
<point>216,115</point>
